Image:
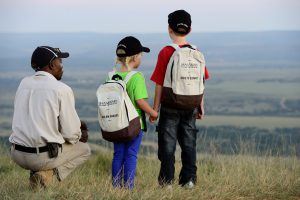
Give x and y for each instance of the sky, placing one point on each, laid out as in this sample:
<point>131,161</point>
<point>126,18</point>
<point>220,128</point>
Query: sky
<point>146,16</point>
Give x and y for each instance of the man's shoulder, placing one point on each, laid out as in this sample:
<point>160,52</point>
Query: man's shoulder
<point>59,87</point>
<point>26,79</point>
<point>62,87</point>
<point>45,84</point>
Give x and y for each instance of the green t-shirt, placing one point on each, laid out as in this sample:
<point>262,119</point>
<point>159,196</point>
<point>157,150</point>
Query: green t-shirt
<point>136,89</point>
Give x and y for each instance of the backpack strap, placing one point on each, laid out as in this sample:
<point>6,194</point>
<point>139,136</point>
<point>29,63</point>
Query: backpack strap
<point>110,74</point>
<point>194,47</point>
<point>127,78</point>
<point>129,75</point>
<point>116,77</point>
<point>176,46</point>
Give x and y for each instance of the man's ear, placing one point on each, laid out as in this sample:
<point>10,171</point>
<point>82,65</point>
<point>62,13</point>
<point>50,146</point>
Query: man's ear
<point>50,66</point>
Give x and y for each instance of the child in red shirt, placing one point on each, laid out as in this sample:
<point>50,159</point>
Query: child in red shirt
<point>175,124</point>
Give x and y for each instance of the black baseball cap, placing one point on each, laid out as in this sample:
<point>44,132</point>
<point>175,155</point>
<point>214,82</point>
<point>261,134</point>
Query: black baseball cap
<point>130,46</point>
<point>180,21</point>
<point>43,55</point>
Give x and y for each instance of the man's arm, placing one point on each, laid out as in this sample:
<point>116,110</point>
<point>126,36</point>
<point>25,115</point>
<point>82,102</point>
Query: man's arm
<point>68,118</point>
<point>84,132</point>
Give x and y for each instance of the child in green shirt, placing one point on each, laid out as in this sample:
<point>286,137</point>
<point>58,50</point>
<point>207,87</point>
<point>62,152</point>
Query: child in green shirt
<point>129,54</point>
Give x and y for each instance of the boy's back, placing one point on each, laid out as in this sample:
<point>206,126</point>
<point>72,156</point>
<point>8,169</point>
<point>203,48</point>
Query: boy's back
<point>164,56</point>
<point>175,123</point>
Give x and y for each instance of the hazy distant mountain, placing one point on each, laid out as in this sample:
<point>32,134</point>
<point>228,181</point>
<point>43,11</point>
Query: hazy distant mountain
<point>90,50</point>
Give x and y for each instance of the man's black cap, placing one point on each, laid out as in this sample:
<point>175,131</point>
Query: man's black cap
<point>180,21</point>
<point>43,55</point>
<point>130,46</point>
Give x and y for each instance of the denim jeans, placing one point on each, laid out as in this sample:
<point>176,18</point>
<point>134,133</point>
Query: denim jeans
<point>177,125</point>
<point>124,162</point>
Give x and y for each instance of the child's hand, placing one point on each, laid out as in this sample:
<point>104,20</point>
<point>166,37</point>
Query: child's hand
<point>152,119</point>
<point>200,114</point>
<point>153,116</point>
<point>143,104</point>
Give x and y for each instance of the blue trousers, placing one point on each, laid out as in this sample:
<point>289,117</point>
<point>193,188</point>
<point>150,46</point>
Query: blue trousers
<point>124,162</point>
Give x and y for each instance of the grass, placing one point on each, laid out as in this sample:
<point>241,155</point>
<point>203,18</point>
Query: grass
<point>265,122</point>
<point>219,177</point>
<point>288,90</point>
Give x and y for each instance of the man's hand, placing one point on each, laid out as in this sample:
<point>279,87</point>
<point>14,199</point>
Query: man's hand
<point>84,132</point>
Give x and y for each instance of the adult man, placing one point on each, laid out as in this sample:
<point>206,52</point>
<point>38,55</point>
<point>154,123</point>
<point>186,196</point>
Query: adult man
<point>48,138</point>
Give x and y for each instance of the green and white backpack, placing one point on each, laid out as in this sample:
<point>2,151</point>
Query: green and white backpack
<point>117,116</point>
<point>184,79</point>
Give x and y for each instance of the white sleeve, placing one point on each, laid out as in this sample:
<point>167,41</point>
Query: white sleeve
<point>68,118</point>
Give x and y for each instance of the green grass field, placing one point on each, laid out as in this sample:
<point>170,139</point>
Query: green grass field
<point>219,177</point>
<point>263,122</point>
<point>288,90</point>
<point>251,121</point>
<point>234,98</point>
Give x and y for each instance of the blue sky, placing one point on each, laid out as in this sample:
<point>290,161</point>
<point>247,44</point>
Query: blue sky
<point>150,16</point>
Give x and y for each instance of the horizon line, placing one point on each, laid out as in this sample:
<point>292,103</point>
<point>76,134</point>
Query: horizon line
<point>97,32</point>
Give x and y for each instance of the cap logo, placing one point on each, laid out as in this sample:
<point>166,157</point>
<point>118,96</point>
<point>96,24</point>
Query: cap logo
<point>57,49</point>
<point>121,51</point>
<point>122,45</point>
<point>50,51</point>
<point>182,24</point>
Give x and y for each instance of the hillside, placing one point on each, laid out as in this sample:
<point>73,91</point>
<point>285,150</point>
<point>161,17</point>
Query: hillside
<point>247,143</point>
<point>97,50</point>
<point>219,177</point>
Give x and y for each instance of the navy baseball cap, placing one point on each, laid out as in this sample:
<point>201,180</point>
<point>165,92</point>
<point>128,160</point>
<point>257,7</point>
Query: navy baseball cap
<point>43,55</point>
<point>130,46</point>
<point>180,21</point>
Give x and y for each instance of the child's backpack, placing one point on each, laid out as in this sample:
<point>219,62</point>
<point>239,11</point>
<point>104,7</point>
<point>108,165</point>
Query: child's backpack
<point>118,118</point>
<point>184,79</point>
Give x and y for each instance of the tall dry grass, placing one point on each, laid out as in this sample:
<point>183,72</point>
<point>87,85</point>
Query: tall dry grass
<point>219,177</point>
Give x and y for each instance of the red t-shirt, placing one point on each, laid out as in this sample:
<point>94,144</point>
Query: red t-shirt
<point>164,56</point>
